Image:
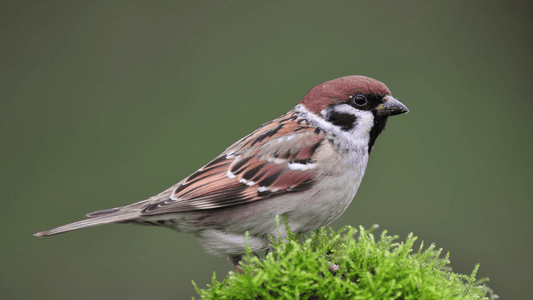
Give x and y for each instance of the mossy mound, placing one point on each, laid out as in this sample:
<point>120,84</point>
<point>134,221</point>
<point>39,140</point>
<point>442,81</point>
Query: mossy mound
<point>301,267</point>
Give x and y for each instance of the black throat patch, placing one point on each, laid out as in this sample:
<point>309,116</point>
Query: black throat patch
<point>377,129</point>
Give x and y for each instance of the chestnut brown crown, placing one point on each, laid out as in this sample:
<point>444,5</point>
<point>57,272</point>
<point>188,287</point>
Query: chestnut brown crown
<point>340,90</point>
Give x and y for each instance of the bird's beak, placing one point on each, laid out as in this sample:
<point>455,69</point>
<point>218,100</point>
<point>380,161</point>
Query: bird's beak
<point>391,107</point>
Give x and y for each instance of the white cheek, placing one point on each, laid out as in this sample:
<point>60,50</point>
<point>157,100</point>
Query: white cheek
<point>364,124</point>
<point>356,138</point>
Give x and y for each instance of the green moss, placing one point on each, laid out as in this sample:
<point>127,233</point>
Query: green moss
<point>298,268</point>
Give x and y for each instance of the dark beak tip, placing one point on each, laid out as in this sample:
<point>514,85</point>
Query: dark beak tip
<point>403,109</point>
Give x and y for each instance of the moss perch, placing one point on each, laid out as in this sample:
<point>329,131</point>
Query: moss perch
<point>339,265</point>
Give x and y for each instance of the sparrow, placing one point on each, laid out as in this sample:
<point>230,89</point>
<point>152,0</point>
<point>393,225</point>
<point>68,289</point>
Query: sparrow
<point>307,164</point>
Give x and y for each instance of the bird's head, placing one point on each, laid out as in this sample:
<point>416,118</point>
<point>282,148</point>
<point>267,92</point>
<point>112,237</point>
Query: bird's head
<point>358,104</point>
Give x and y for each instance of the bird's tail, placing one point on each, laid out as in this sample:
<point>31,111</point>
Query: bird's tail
<point>114,215</point>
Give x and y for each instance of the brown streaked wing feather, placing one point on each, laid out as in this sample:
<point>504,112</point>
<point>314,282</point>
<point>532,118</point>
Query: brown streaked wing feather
<point>255,168</point>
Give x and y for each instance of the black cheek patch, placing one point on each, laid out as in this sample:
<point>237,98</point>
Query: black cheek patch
<point>344,121</point>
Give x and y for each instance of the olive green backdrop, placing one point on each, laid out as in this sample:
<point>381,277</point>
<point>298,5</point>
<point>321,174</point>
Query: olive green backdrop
<point>106,103</point>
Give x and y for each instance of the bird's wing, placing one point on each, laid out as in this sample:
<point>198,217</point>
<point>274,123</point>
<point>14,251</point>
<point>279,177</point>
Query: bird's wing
<point>274,160</point>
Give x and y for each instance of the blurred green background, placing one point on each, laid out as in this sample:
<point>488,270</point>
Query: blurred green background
<point>107,103</point>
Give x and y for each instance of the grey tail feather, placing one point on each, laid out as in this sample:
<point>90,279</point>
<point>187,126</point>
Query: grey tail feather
<point>98,213</point>
<point>101,217</point>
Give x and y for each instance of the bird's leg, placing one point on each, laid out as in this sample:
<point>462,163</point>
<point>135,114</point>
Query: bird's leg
<point>236,261</point>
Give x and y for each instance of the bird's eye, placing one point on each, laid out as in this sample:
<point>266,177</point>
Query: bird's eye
<point>359,100</point>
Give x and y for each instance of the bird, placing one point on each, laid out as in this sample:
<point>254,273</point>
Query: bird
<point>307,165</point>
